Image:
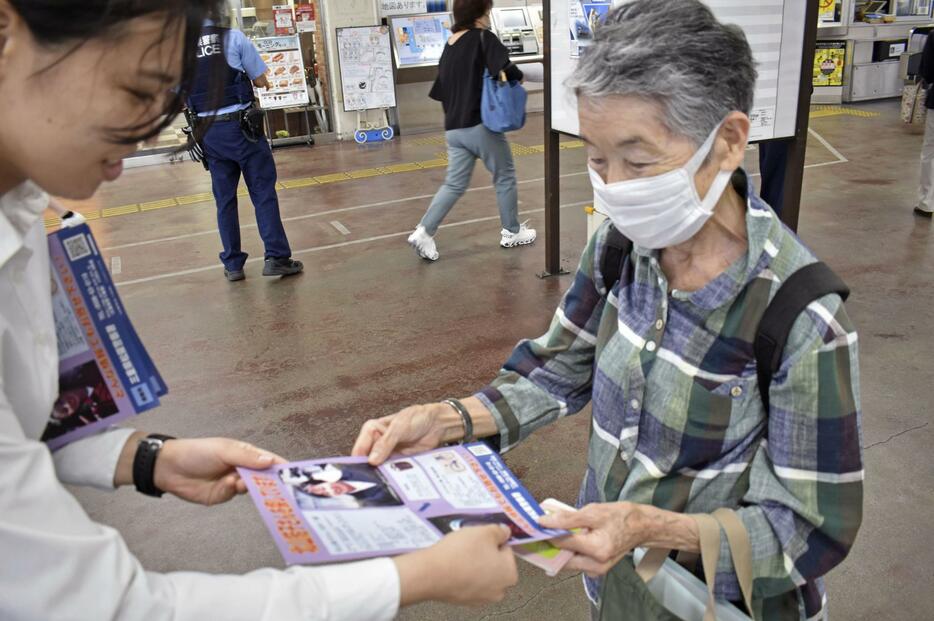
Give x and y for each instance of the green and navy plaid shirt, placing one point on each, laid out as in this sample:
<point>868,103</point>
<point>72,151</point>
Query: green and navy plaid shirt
<point>678,421</point>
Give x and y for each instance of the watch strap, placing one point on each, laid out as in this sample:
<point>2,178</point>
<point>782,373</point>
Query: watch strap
<point>144,464</point>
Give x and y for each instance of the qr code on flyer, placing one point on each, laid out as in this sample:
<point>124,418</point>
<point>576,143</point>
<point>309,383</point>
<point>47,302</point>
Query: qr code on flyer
<point>480,450</point>
<point>77,247</point>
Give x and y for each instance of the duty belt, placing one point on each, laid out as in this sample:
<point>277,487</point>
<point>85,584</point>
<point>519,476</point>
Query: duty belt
<point>230,116</point>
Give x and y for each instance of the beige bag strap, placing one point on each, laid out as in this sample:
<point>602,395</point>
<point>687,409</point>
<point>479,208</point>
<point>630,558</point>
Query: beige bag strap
<point>652,562</point>
<point>740,551</point>
<point>708,528</point>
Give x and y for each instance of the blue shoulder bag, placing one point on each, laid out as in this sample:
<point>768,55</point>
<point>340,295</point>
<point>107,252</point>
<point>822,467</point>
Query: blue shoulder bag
<point>503,101</point>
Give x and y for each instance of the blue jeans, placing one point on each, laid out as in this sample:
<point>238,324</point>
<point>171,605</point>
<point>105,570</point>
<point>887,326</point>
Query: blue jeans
<point>465,146</point>
<point>228,154</point>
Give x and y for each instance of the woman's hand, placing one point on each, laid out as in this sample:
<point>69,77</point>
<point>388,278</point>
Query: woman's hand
<point>415,429</point>
<point>609,531</point>
<point>470,567</point>
<point>204,470</point>
<point>420,428</point>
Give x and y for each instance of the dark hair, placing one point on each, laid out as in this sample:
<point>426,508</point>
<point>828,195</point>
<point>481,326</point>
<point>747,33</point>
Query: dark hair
<point>74,23</point>
<point>467,12</point>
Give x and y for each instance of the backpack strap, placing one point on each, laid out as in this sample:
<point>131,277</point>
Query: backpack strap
<point>615,250</point>
<point>808,284</point>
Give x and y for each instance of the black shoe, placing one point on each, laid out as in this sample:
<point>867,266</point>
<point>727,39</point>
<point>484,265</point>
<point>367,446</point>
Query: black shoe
<point>234,275</point>
<point>282,267</point>
<point>923,213</point>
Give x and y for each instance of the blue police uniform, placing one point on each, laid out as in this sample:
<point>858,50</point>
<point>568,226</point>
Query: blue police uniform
<point>228,152</point>
<point>773,161</point>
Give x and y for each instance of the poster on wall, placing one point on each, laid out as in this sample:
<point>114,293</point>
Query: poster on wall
<point>827,10</point>
<point>283,20</point>
<point>583,18</point>
<point>420,39</point>
<point>388,8</point>
<point>829,61</point>
<point>286,73</point>
<point>365,57</point>
<point>305,18</point>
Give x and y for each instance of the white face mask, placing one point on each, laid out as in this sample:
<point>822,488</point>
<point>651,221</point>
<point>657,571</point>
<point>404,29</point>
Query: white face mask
<point>661,211</point>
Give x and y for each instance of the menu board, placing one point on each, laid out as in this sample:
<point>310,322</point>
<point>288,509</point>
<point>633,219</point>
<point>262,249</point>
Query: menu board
<point>286,73</point>
<point>420,39</point>
<point>364,55</point>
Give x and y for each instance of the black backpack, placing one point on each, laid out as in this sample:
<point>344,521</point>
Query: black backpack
<point>809,283</point>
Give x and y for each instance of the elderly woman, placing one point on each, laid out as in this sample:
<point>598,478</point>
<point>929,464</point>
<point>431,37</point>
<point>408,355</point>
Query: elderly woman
<point>664,353</point>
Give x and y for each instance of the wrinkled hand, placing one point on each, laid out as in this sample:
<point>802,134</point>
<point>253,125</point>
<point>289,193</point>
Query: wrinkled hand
<point>204,470</point>
<point>470,567</point>
<point>608,532</point>
<point>413,430</point>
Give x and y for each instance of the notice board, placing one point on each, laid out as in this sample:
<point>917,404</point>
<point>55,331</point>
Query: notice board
<point>364,54</point>
<point>774,28</point>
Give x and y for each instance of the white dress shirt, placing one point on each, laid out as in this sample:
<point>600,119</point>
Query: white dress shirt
<point>55,562</point>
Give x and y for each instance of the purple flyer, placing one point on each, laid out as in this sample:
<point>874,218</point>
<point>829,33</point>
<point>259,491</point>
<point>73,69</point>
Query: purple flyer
<point>343,509</point>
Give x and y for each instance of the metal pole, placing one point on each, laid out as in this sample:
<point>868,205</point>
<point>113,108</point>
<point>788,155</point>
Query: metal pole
<point>552,163</point>
<point>794,171</point>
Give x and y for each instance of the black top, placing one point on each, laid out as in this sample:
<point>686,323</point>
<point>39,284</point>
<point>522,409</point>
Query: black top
<point>927,68</point>
<point>459,85</point>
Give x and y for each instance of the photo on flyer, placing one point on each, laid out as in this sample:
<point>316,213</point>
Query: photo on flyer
<point>342,509</point>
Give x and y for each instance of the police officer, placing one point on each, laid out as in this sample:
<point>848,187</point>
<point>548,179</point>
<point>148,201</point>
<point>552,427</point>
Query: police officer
<point>234,143</point>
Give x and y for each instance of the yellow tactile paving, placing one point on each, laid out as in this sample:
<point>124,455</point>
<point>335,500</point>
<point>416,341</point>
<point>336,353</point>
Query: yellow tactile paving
<point>401,168</point>
<point>299,183</point>
<point>366,172</point>
<point>119,211</point>
<point>818,112</point>
<point>191,199</point>
<point>438,163</point>
<point>166,202</point>
<point>332,178</point>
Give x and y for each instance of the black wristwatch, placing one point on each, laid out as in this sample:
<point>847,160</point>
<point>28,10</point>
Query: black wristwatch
<point>144,464</point>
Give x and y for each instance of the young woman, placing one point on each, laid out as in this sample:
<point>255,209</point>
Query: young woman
<point>81,83</point>
<point>459,86</point>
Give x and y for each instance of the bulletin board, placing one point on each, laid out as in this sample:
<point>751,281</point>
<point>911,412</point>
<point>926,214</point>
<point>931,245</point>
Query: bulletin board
<point>364,54</point>
<point>774,28</point>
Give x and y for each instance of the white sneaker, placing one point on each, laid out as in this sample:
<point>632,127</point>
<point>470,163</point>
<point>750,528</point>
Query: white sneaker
<point>524,237</point>
<point>424,244</point>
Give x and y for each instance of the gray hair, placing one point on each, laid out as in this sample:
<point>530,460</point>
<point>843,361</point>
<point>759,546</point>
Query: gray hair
<point>674,53</point>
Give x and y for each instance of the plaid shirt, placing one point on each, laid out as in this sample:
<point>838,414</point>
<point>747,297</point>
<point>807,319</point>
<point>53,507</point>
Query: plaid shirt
<point>678,421</point>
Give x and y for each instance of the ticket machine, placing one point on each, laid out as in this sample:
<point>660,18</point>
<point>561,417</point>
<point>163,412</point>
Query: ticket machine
<point>515,29</point>
<point>537,13</point>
